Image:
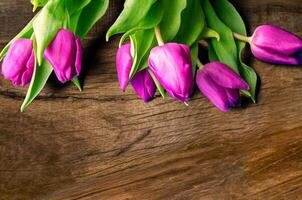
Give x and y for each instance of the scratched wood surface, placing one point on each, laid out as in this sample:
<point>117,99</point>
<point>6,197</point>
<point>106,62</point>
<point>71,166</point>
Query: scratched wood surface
<point>101,144</point>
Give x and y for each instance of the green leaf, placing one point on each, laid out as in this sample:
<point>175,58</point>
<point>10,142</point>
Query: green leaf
<point>90,15</point>
<point>158,85</point>
<point>47,24</point>
<point>39,79</point>
<point>192,23</point>
<point>142,42</point>
<point>229,15</point>
<point>74,11</point>
<point>171,21</point>
<point>250,76</point>
<point>194,55</point>
<point>134,11</point>
<point>73,6</point>
<point>225,49</point>
<point>74,20</point>
<point>212,54</point>
<point>151,20</point>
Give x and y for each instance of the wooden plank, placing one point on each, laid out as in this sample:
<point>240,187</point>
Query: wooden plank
<point>102,144</point>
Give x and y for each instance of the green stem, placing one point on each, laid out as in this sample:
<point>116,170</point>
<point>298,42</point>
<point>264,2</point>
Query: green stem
<point>158,35</point>
<point>242,38</point>
<point>32,36</point>
<point>199,64</point>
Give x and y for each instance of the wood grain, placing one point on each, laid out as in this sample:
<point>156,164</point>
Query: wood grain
<point>102,144</point>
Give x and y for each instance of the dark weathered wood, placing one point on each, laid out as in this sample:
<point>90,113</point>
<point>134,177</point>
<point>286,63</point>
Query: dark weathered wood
<point>102,144</point>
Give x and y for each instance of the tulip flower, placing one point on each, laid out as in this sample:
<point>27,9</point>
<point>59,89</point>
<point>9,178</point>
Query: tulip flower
<point>123,65</point>
<point>144,85</point>
<point>221,85</point>
<point>275,45</point>
<point>18,64</point>
<point>172,66</point>
<point>65,55</point>
<point>141,82</point>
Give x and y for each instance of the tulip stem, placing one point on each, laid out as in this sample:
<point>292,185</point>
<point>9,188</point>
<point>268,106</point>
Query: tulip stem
<point>242,37</point>
<point>199,64</point>
<point>158,35</point>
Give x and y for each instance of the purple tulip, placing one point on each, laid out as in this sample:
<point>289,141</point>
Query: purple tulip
<point>275,45</point>
<point>221,85</point>
<point>144,85</point>
<point>65,55</point>
<point>142,81</point>
<point>123,65</point>
<point>18,65</point>
<point>172,66</point>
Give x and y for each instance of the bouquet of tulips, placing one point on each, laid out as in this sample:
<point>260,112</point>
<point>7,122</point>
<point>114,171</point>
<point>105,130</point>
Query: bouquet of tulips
<point>165,37</point>
<point>51,41</point>
<point>159,48</point>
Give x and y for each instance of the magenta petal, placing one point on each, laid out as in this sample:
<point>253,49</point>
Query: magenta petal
<point>79,55</point>
<point>214,92</point>
<point>233,97</point>
<point>18,63</point>
<point>225,76</point>
<point>299,57</point>
<point>172,66</point>
<point>27,75</point>
<point>123,65</point>
<point>272,57</point>
<point>144,85</point>
<point>61,54</point>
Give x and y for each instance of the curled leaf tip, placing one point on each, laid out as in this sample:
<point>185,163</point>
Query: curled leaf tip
<point>22,109</point>
<point>210,33</point>
<point>77,83</point>
<point>108,35</point>
<point>35,6</point>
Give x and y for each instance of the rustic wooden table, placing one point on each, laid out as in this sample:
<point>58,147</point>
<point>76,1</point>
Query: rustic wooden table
<point>101,144</point>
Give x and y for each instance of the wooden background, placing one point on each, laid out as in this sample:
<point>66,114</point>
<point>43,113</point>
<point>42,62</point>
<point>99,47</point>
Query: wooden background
<point>102,144</point>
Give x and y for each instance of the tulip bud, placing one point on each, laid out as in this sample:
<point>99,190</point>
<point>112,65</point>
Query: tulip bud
<point>65,55</point>
<point>275,45</point>
<point>123,65</point>
<point>142,81</point>
<point>144,85</point>
<point>172,66</point>
<point>221,85</point>
<point>19,62</point>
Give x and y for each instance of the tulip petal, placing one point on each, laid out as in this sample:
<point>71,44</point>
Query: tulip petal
<point>144,85</point>
<point>79,55</point>
<point>123,65</point>
<point>225,76</point>
<point>214,92</point>
<point>172,66</point>
<point>299,57</point>
<point>27,75</point>
<point>272,57</point>
<point>233,97</point>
